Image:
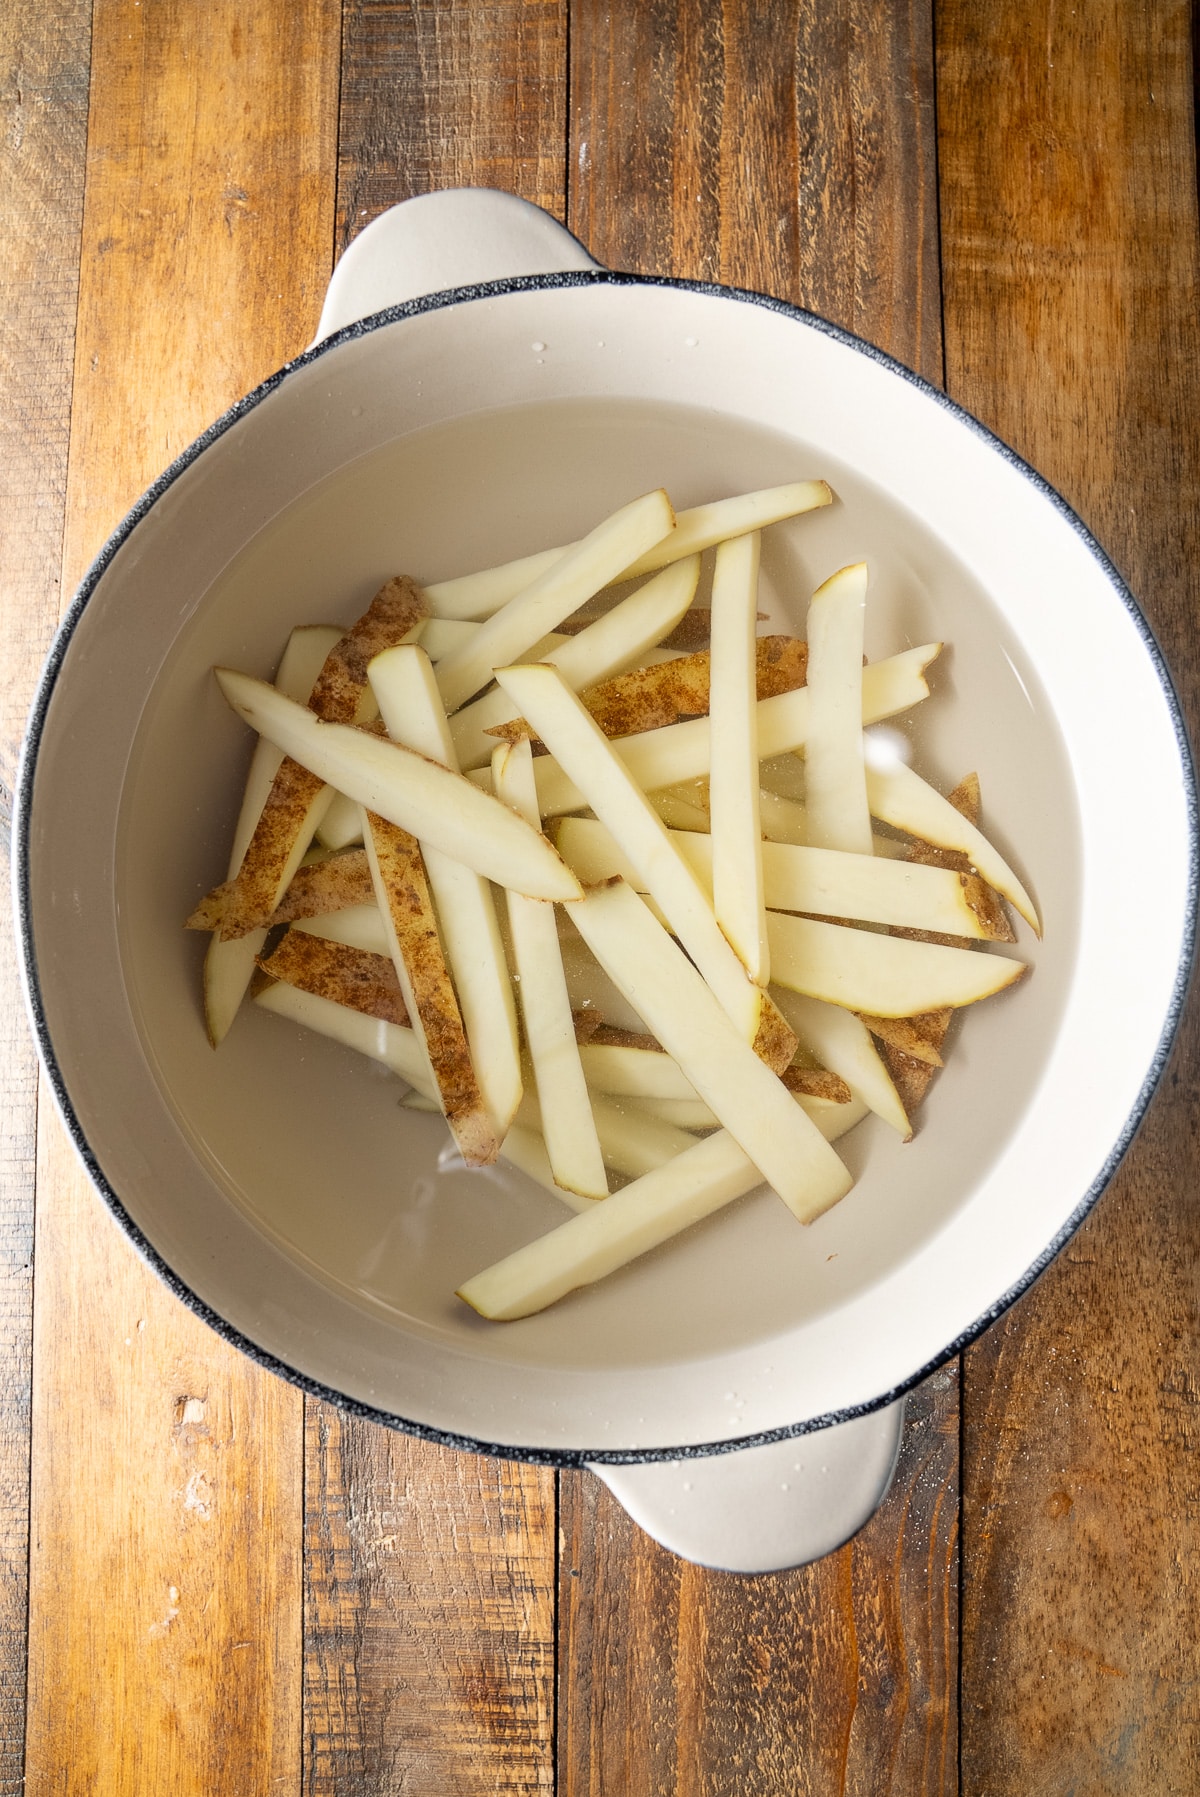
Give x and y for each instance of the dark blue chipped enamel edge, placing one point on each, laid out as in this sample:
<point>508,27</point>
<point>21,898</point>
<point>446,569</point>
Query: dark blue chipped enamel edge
<point>21,870</point>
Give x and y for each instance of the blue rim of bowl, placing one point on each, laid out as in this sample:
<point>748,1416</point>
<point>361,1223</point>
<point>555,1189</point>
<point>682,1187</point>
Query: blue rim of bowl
<point>575,1457</point>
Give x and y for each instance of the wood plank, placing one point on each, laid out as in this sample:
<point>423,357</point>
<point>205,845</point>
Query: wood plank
<point>831,1679</point>
<point>1070,246</point>
<point>790,149</point>
<point>429,1630</point>
<point>430,1575</point>
<point>166,1505</point>
<point>450,93</point>
<point>43,131</point>
<point>786,147</point>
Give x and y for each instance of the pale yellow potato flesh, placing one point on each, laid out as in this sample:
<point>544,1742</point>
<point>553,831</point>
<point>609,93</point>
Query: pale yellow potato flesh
<point>229,961</point>
<point>592,564</point>
<point>827,882</point>
<point>679,752</point>
<point>736,840</point>
<point>841,1041</point>
<point>584,752</point>
<point>834,777</point>
<point>888,976</point>
<point>358,926</point>
<point>568,1125</point>
<point>709,1175</point>
<point>898,796</point>
<point>411,707</point>
<point>633,1072</point>
<point>697,528</point>
<point>416,794</point>
<point>680,1009</point>
<point>341,826</point>
<point>623,636</point>
<point>392,1044</point>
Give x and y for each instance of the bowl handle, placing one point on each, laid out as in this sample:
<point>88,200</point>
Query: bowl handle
<point>439,241</point>
<point>768,1508</point>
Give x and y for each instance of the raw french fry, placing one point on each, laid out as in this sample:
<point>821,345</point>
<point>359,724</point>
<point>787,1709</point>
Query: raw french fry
<point>826,882</point>
<point>568,1126</point>
<point>841,1042</point>
<point>907,1034</point>
<point>633,1072</point>
<point>681,1010</point>
<point>586,757</point>
<point>662,692</point>
<point>621,636</point>
<point>341,826</point>
<point>885,975</point>
<point>298,802</point>
<point>736,841</point>
<point>658,758</point>
<point>898,796</point>
<point>835,784</point>
<point>631,1142</point>
<point>403,897</point>
<point>663,1203</point>
<point>587,567</point>
<point>691,1114</point>
<point>348,976</point>
<point>359,926</point>
<point>416,794</point>
<point>229,963</point>
<point>388,1043</point>
<point>411,707</point>
<point>698,528</point>
<point>440,635</point>
<point>330,885</point>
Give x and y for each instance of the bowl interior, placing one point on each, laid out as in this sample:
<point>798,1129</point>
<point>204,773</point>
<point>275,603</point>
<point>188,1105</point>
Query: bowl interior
<point>278,1177</point>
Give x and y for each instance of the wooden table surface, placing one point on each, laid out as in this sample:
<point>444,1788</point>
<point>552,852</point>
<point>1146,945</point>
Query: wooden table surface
<point>209,1583</point>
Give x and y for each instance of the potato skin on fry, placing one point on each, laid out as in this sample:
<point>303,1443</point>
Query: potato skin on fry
<point>347,976</point>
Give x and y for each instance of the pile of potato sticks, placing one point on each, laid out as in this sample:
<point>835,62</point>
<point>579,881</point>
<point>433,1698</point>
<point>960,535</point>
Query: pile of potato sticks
<point>600,876</point>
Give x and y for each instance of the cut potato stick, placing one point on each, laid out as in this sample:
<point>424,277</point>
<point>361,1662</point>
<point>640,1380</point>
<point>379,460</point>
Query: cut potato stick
<point>341,826</point>
<point>620,637</point>
<point>633,1072</point>
<point>298,802</point>
<point>568,1126</point>
<point>834,778</point>
<point>359,926</point>
<point>900,797</point>
<point>678,752</point>
<point>664,691</point>
<point>389,1043</point>
<point>590,565</point>
<point>229,962</point>
<point>330,885</point>
<point>691,1114</point>
<point>411,707</point>
<point>416,794</point>
<point>631,1142</point>
<point>736,842</point>
<point>440,635</point>
<point>586,757</point>
<point>525,1149</point>
<point>887,976</point>
<point>684,1014</point>
<point>679,813</point>
<point>654,1208</point>
<point>821,881</point>
<point>698,528</point>
<point>908,1034</point>
<point>840,1041</point>
<point>349,976</point>
<point>402,893</point>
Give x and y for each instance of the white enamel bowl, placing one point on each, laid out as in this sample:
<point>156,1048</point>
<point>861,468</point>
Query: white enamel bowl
<point>276,1183</point>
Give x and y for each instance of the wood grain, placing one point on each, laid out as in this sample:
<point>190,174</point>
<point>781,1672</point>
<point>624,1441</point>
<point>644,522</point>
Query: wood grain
<point>450,93</point>
<point>790,149</point>
<point>43,124</point>
<point>837,1678</point>
<point>429,1612</point>
<point>1070,268</point>
<point>431,1557</point>
<point>165,1620</point>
